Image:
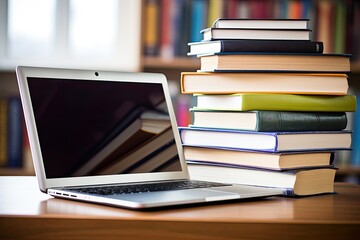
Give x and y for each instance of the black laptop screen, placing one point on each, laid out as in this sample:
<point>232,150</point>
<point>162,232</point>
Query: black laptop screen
<point>88,128</point>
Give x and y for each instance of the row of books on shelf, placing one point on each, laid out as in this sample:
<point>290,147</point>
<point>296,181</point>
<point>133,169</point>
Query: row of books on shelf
<point>171,24</point>
<point>14,146</point>
<point>274,121</point>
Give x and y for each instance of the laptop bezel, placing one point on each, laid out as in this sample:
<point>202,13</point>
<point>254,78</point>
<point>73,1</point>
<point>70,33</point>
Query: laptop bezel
<point>24,72</point>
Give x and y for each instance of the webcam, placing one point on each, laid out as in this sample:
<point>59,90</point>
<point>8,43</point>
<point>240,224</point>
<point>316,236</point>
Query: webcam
<point>96,74</point>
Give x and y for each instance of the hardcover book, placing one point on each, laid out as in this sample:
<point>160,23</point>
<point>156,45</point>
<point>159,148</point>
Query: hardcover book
<point>241,45</point>
<point>258,82</point>
<point>268,62</point>
<point>302,182</point>
<point>255,33</point>
<point>266,141</point>
<point>257,159</point>
<point>276,102</point>
<point>270,121</point>
<point>261,23</point>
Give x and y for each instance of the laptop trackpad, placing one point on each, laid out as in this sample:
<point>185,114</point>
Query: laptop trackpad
<point>178,196</point>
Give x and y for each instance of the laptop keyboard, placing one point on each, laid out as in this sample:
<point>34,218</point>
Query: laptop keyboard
<point>148,187</point>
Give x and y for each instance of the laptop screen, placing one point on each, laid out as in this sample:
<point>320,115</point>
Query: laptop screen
<point>89,128</point>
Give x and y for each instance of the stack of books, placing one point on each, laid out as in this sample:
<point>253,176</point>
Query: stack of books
<point>271,107</point>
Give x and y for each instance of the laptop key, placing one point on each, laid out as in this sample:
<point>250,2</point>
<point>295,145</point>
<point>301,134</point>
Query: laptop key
<point>142,188</point>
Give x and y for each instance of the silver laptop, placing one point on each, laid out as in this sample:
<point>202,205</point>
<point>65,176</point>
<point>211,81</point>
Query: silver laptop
<point>111,138</point>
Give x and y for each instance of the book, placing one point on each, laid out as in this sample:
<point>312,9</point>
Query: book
<point>274,161</point>
<point>270,121</point>
<point>151,39</point>
<point>303,182</point>
<point>261,23</point>
<point>198,19</point>
<point>215,10</point>
<point>276,102</point>
<point>240,61</point>
<point>15,134</point>
<point>255,33</point>
<point>266,141</point>
<point>258,82</point>
<point>3,131</point>
<point>241,45</point>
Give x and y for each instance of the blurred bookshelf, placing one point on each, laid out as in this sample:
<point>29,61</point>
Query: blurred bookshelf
<point>168,25</point>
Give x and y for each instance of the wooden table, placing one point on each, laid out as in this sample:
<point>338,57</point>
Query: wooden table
<point>26,213</point>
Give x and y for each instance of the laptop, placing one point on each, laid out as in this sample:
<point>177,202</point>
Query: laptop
<point>111,138</point>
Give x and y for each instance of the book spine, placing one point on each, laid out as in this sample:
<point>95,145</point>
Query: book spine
<point>152,10</point>
<point>198,17</point>
<point>182,25</point>
<point>15,142</point>
<point>3,132</point>
<point>300,121</point>
<point>292,46</point>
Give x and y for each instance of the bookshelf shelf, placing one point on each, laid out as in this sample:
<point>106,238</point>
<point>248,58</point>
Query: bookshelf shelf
<point>172,63</point>
<point>16,172</point>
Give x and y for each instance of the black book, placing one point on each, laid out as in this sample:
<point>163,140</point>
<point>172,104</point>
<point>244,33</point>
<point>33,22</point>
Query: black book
<point>240,45</point>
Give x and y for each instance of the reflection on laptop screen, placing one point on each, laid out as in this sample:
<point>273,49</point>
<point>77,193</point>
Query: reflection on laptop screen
<point>89,128</point>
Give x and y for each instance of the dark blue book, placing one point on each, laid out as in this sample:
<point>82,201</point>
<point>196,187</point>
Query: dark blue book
<point>15,130</point>
<point>266,141</point>
<point>240,45</point>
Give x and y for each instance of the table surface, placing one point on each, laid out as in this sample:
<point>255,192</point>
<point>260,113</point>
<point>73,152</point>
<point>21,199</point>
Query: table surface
<point>27,212</point>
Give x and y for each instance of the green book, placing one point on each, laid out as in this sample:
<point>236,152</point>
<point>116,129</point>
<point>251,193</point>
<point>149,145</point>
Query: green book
<point>270,121</point>
<point>276,102</point>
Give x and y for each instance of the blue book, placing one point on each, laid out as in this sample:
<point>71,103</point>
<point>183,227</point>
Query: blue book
<point>198,19</point>
<point>266,141</point>
<point>355,155</point>
<point>15,130</point>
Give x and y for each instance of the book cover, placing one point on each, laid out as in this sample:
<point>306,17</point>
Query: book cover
<point>298,62</point>
<point>3,131</point>
<point>255,33</point>
<point>181,26</point>
<point>257,159</point>
<point>152,41</point>
<point>241,45</point>
<point>266,141</point>
<point>266,23</point>
<point>270,121</point>
<point>295,183</point>
<point>259,82</point>
<point>167,29</point>
<point>198,19</point>
<point>276,102</point>
<point>15,132</point>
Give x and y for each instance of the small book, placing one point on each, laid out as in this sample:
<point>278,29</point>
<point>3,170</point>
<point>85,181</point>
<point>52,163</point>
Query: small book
<point>241,45</point>
<point>274,161</point>
<point>276,102</point>
<point>268,62</point>
<point>270,121</point>
<point>266,141</point>
<point>255,33</point>
<point>255,82</point>
<point>294,183</point>
<point>261,23</point>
